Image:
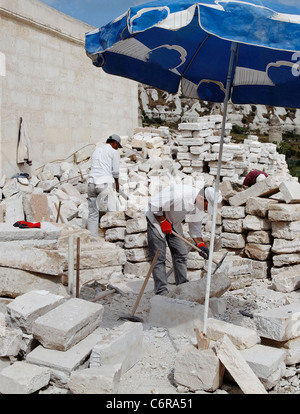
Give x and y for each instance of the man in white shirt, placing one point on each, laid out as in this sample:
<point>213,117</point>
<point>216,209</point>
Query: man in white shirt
<point>166,212</point>
<point>103,182</point>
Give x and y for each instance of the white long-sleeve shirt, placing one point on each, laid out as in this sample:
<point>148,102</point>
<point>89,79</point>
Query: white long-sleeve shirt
<point>176,203</point>
<point>105,165</point>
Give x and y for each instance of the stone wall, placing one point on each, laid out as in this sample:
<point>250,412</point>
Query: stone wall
<point>64,100</point>
<point>197,146</point>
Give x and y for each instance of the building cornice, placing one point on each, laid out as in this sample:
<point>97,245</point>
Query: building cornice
<point>40,26</point>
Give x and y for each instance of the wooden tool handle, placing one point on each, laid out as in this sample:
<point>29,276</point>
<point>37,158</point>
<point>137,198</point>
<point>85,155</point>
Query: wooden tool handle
<point>145,282</point>
<point>187,242</point>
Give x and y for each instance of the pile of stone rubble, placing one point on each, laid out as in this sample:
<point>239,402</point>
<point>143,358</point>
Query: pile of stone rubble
<point>258,227</point>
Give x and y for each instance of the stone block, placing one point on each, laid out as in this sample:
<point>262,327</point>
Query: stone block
<point>232,240</point>
<point>18,255</point>
<point>229,212</point>
<point>17,282</point>
<point>137,269</point>
<point>113,219</point>
<point>115,234</point>
<point>256,223</point>
<point>101,380</point>
<point>122,345</point>
<point>226,187</point>
<point>10,187</point>
<point>136,240</point>
<point>137,254</point>
<point>23,378</point>
<point>79,319</point>
<point>258,251</point>
<point>263,188</point>
<point>291,268</point>
<point>198,369</point>
<point>193,126</point>
<point>194,261</point>
<point>266,362</point>
<point>195,290</point>
<point>281,246</point>
<point>286,229</point>
<point>96,255</point>
<point>10,341</point>
<point>36,208</point>
<point>280,323</point>
<point>232,226</point>
<point>259,237</point>
<point>70,190</point>
<point>241,337</point>
<point>286,259</point>
<point>63,363</point>
<point>291,348</point>
<point>14,210</point>
<point>290,191</point>
<point>191,141</point>
<point>48,231</point>
<point>261,270</point>
<point>284,212</point>
<point>236,265</point>
<point>286,281</point>
<point>259,206</point>
<point>25,309</point>
<point>180,316</point>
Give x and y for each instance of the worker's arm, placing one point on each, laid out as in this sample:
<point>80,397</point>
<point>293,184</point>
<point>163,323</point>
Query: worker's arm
<point>117,184</point>
<point>116,168</point>
<point>198,240</point>
<point>195,232</point>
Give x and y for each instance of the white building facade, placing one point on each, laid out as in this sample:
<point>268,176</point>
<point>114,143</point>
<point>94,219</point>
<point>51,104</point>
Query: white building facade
<point>47,80</point>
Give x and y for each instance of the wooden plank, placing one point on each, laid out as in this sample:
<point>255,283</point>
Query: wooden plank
<point>238,367</point>
<point>202,342</point>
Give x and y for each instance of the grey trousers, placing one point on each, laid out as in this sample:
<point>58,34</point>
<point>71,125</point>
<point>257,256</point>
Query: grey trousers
<point>179,258</point>
<point>108,202</point>
<point>93,217</point>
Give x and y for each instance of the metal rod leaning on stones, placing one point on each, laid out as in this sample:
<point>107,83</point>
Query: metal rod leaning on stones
<point>109,291</point>
<point>58,212</point>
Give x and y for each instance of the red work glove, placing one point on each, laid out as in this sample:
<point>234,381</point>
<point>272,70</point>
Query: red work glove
<point>204,250</point>
<point>27,225</point>
<point>166,226</point>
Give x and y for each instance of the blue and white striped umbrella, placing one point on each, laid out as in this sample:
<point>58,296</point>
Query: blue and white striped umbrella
<point>169,43</point>
<point>216,50</point>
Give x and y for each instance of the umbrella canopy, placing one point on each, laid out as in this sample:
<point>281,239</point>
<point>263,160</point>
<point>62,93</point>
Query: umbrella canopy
<point>216,50</point>
<point>170,43</point>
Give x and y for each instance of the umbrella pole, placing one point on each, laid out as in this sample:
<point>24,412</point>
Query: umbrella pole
<point>217,184</point>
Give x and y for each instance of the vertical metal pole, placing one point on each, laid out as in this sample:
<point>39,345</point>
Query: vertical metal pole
<point>217,184</point>
<point>2,74</point>
<point>78,269</point>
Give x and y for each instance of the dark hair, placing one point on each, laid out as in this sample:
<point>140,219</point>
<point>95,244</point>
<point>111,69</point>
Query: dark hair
<point>110,141</point>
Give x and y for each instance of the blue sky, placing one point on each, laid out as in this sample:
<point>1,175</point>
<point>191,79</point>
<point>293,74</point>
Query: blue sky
<point>99,12</point>
<point>94,12</point>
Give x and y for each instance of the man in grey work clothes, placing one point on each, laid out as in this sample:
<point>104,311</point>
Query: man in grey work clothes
<point>166,212</point>
<point>103,182</point>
